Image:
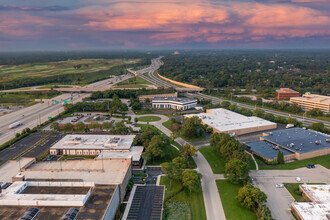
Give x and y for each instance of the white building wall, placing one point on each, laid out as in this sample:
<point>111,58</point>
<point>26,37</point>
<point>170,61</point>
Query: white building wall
<point>113,206</point>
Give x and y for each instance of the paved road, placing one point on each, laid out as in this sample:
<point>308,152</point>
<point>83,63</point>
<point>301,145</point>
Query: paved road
<point>306,121</point>
<point>279,199</point>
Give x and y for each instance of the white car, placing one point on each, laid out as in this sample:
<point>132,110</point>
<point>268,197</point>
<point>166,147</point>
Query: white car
<point>298,179</point>
<point>279,185</point>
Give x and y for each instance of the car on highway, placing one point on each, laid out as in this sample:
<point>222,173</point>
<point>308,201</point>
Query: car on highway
<point>309,166</point>
<point>279,185</point>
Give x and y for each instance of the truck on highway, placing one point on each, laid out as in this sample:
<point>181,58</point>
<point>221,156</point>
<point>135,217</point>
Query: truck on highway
<point>15,124</point>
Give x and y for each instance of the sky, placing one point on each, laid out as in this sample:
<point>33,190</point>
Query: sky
<point>163,24</point>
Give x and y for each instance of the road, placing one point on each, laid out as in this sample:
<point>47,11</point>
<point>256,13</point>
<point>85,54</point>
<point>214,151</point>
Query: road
<point>306,121</point>
<point>279,199</point>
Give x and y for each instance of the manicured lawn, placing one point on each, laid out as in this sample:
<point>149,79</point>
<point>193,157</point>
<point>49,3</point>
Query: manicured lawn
<point>216,161</point>
<point>292,187</point>
<point>170,154</point>
<point>167,124</point>
<point>26,97</point>
<point>149,118</point>
<point>322,160</point>
<point>194,200</point>
<point>233,209</point>
<point>134,82</point>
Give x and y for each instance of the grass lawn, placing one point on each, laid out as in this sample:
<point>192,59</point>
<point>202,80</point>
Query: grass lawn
<point>216,161</point>
<point>233,209</point>
<point>25,98</point>
<point>170,154</point>
<point>134,82</point>
<point>149,118</point>
<point>195,200</point>
<point>167,124</point>
<point>322,160</point>
<point>292,187</point>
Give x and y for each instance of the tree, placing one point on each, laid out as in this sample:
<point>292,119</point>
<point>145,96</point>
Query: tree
<point>55,126</point>
<point>318,126</point>
<point>191,181</point>
<point>147,101</point>
<point>106,125</point>
<point>251,197</point>
<point>192,127</point>
<point>175,127</point>
<point>236,170</point>
<point>188,151</point>
<point>155,148</point>
<point>172,170</point>
<point>315,112</point>
<point>80,126</point>
<point>129,118</point>
<point>136,120</point>
<point>280,157</point>
<point>181,162</point>
<point>68,127</point>
<point>258,112</point>
<point>94,125</point>
<point>263,213</point>
<point>294,121</point>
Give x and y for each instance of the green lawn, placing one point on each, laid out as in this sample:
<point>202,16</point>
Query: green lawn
<point>26,97</point>
<point>194,200</point>
<point>170,154</point>
<point>167,124</point>
<point>322,160</point>
<point>233,209</point>
<point>216,161</point>
<point>149,118</point>
<point>292,187</point>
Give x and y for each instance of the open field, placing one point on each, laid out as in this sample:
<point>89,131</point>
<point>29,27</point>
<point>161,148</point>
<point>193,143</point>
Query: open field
<point>233,209</point>
<point>195,201</point>
<point>26,97</point>
<point>149,118</point>
<point>135,82</point>
<point>322,160</point>
<point>77,72</point>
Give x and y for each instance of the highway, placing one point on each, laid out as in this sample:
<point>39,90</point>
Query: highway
<point>306,121</point>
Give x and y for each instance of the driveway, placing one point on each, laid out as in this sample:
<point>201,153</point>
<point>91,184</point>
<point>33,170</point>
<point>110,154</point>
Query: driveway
<point>279,199</point>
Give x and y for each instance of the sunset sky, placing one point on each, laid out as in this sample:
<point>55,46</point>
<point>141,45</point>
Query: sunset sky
<point>134,24</point>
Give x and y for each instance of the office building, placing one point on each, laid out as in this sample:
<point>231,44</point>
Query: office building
<point>173,103</point>
<point>309,101</point>
<point>286,93</point>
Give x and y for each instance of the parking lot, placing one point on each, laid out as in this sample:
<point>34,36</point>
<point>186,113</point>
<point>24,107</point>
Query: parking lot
<point>147,203</point>
<point>151,179</point>
<point>279,199</point>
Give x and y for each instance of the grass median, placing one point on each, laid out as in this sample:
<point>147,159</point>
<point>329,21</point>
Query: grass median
<point>149,118</point>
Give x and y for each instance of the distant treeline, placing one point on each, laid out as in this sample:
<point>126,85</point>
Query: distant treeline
<point>129,93</point>
<point>302,70</point>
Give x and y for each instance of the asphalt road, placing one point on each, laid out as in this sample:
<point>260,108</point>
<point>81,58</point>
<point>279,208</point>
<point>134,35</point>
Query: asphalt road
<point>306,121</point>
<point>279,199</point>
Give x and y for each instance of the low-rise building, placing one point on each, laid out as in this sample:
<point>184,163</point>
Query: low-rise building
<point>143,98</point>
<point>225,121</point>
<point>286,93</point>
<point>295,143</point>
<point>309,101</point>
<point>317,203</point>
<point>173,103</point>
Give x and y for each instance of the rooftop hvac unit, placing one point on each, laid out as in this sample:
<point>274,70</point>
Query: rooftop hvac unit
<point>327,140</point>
<point>291,144</point>
<point>270,133</point>
<point>316,142</point>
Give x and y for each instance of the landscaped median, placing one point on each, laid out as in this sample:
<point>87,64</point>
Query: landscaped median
<point>184,203</point>
<point>293,189</point>
<point>149,118</point>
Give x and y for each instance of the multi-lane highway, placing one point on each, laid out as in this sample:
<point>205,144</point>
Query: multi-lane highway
<point>306,121</point>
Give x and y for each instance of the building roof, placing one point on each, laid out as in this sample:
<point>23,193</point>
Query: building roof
<point>309,210</point>
<point>314,98</point>
<point>225,120</point>
<point>286,90</point>
<point>135,153</point>
<point>298,139</point>
<point>12,167</point>
<point>106,171</point>
<point>174,99</point>
<point>318,193</point>
<point>95,142</point>
<point>266,149</point>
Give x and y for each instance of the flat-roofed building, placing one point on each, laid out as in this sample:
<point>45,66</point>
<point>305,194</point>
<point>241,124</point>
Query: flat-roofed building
<point>225,121</point>
<point>143,98</point>
<point>295,143</point>
<point>173,103</point>
<point>309,101</point>
<point>286,93</point>
<point>317,203</point>
<point>91,144</point>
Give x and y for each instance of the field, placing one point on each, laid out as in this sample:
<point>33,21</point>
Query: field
<point>322,160</point>
<point>25,98</point>
<point>78,72</point>
<point>233,209</point>
<point>182,201</point>
<point>149,118</point>
<point>135,82</point>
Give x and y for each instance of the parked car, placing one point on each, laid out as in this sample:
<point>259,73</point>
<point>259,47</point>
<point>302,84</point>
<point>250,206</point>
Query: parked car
<point>298,179</point>
<point>279,185</point>
<point>309,166</point>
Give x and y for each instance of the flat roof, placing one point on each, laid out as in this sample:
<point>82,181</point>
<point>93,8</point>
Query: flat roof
<point>285,90</point>
<point>298,139</point>
<point>95,142</point>
<point>12,167</point>
<point>314,98</point>
<point>135,153</point>
<point>266,149</point>
<point>225,120</point>
<point>174,99</point>
<point>318,193</point>
<point>309,210</point>
<point>106,171</point>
